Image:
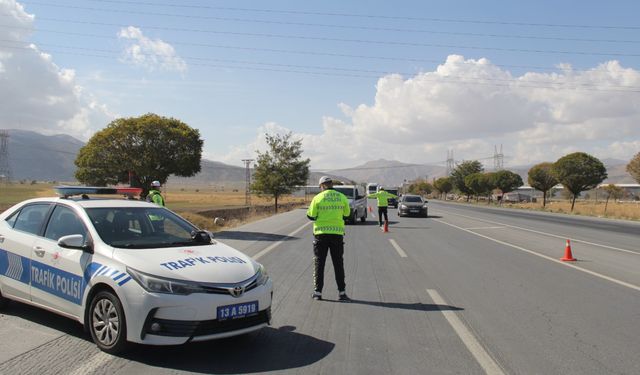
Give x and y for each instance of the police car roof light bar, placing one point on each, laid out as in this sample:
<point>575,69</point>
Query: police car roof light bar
<point>68,191</point>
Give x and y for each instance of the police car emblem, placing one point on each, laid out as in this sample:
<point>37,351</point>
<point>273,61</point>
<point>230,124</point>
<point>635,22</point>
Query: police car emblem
<point>236,291</point>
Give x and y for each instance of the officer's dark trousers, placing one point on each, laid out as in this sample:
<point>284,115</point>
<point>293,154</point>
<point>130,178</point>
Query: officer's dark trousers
<point>382,211</point>
<point>322,245</point>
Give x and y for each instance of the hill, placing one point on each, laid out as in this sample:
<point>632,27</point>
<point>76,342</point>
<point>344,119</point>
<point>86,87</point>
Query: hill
<point>34,156</point>
<point>390,172</point>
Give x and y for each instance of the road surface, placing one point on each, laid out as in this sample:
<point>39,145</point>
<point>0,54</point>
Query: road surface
<point>469,290</point>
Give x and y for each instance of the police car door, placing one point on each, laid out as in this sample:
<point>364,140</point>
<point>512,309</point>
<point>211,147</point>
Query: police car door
<point>57,273</point>
<point>17,237</point>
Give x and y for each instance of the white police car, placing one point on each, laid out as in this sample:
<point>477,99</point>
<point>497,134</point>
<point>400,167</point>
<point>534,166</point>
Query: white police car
<point>128,270</point>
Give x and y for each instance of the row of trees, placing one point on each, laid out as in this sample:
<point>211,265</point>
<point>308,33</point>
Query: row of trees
<point>577,172</point>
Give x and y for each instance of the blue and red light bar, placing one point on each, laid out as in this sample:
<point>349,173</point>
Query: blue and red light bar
<point>68,191</point>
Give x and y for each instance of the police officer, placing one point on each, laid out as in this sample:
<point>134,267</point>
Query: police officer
<point>154,194</point>
<point>383,202</point>
<point>329,209</point>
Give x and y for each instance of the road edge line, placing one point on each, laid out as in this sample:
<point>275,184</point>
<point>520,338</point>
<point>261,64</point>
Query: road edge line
<point>593,273</point>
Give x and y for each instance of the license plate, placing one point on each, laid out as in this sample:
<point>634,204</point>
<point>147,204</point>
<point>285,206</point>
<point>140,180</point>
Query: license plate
<point>415,210</point>
<point>239,310</point>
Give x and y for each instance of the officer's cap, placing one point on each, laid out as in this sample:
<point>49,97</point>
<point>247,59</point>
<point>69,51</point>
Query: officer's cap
<point>324,180</point>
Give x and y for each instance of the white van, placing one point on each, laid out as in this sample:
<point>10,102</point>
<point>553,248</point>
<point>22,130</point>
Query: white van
<point>357,201</point>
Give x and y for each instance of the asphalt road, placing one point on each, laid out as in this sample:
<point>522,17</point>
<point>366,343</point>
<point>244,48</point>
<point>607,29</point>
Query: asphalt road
<point>469,290</point>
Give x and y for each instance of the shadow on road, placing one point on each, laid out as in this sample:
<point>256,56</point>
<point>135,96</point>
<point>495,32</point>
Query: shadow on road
<point>269,349</point>
<point>45,318</point>
<point>404,306</point>
<point>251,236</point>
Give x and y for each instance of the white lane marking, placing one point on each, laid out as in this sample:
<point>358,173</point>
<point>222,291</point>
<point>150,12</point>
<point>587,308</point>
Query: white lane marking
<point>477,228</point>
<point>488,364</point>
<point>274,245</point>
<point>548,234</point>
<point>398,248</point>
<point>604,277</point>
<point>95,362</point>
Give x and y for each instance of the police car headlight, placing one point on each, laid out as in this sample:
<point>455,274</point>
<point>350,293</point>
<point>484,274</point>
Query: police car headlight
<point>263,276</point>
<point>155,284</point>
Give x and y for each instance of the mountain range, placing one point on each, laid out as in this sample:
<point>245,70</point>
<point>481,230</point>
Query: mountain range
<point>34,156</point>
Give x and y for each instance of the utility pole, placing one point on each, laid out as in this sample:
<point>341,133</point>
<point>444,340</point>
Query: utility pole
<point>5,168</point>
<point>247,181</point>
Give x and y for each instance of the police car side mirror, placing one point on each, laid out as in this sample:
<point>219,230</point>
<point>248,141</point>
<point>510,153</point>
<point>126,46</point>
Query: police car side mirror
<point>75,241</point>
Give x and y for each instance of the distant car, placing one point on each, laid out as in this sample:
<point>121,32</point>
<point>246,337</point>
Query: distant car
<point>357,202</point>
<point>412,205</point>
<point>129,271</point>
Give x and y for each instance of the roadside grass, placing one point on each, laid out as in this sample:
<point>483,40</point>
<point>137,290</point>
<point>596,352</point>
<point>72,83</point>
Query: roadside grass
<point>13,193</point>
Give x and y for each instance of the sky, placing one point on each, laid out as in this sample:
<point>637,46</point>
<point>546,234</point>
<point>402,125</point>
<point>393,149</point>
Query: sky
<point>354,80</point>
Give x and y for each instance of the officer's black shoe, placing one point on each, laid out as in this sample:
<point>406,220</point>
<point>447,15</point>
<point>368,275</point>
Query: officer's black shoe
<point>316,296</point>
<point>343,297</point>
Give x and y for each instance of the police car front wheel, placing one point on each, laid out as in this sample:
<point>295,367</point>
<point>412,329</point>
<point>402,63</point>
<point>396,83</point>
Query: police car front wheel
<point>107,323</point>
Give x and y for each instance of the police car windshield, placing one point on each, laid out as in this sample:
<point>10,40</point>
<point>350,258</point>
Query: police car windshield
<point>346,191</point>
<point>142,227</point>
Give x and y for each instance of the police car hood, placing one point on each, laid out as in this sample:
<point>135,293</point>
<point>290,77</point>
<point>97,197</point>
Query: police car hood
<point>215,263</point>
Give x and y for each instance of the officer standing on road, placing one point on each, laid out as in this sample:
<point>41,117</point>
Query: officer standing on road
<point>154,195</point>
<point>383,202</point>
<point>329,209</point>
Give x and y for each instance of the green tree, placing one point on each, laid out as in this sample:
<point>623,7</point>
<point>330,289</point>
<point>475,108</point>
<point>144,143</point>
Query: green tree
<point>420,187</point>
<point>612,191</point>
<point>443,185</point>
<point>479,184</point>
<point>280,169</point>
<point>149,147</point>
<point>578,172</point>
<point>541,178</point>
<point>634,167</point>
<point>506,181</point>
<point>463,170</point>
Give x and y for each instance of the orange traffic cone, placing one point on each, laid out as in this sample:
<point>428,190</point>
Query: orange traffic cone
<point>568,257</point>
<point>386,226</point>
<point>370,210</point>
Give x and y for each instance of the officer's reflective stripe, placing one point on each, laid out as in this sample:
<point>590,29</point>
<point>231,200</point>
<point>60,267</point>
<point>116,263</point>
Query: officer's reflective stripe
<point>124,281</point>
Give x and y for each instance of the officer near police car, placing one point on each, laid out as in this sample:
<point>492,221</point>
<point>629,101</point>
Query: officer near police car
<point>329,209</point>
<point>154,195</point>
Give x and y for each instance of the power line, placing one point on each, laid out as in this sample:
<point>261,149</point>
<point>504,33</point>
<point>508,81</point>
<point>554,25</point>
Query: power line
<point>355,15</point>
<point>276,50</point>
<point>370,28</point>
<point>361,73</point>
<point>361,41</point>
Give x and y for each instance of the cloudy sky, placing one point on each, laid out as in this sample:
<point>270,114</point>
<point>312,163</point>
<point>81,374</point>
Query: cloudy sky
<point>357,81</point>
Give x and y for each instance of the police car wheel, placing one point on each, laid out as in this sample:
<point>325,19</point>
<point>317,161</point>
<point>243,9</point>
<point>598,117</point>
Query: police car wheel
<point>107,323</point>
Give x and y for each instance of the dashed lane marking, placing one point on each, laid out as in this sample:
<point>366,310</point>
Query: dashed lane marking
<point>398,248</point>
<point>276,244</point>
<point>488,364</point>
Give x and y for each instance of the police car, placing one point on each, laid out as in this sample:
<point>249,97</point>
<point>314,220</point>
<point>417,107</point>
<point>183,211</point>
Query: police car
<point>128,270</point>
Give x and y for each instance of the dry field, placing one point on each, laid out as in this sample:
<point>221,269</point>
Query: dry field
<point>185,200</point>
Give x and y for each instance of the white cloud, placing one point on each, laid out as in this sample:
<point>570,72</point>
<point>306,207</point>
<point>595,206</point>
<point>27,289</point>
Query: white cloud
<point>149,54</point>
<point>36,94</point>
<point>471,106</point>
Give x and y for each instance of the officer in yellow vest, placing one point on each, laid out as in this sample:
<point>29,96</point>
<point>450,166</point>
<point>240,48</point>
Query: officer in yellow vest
<point>383,202</point>
<point>329,209</point>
